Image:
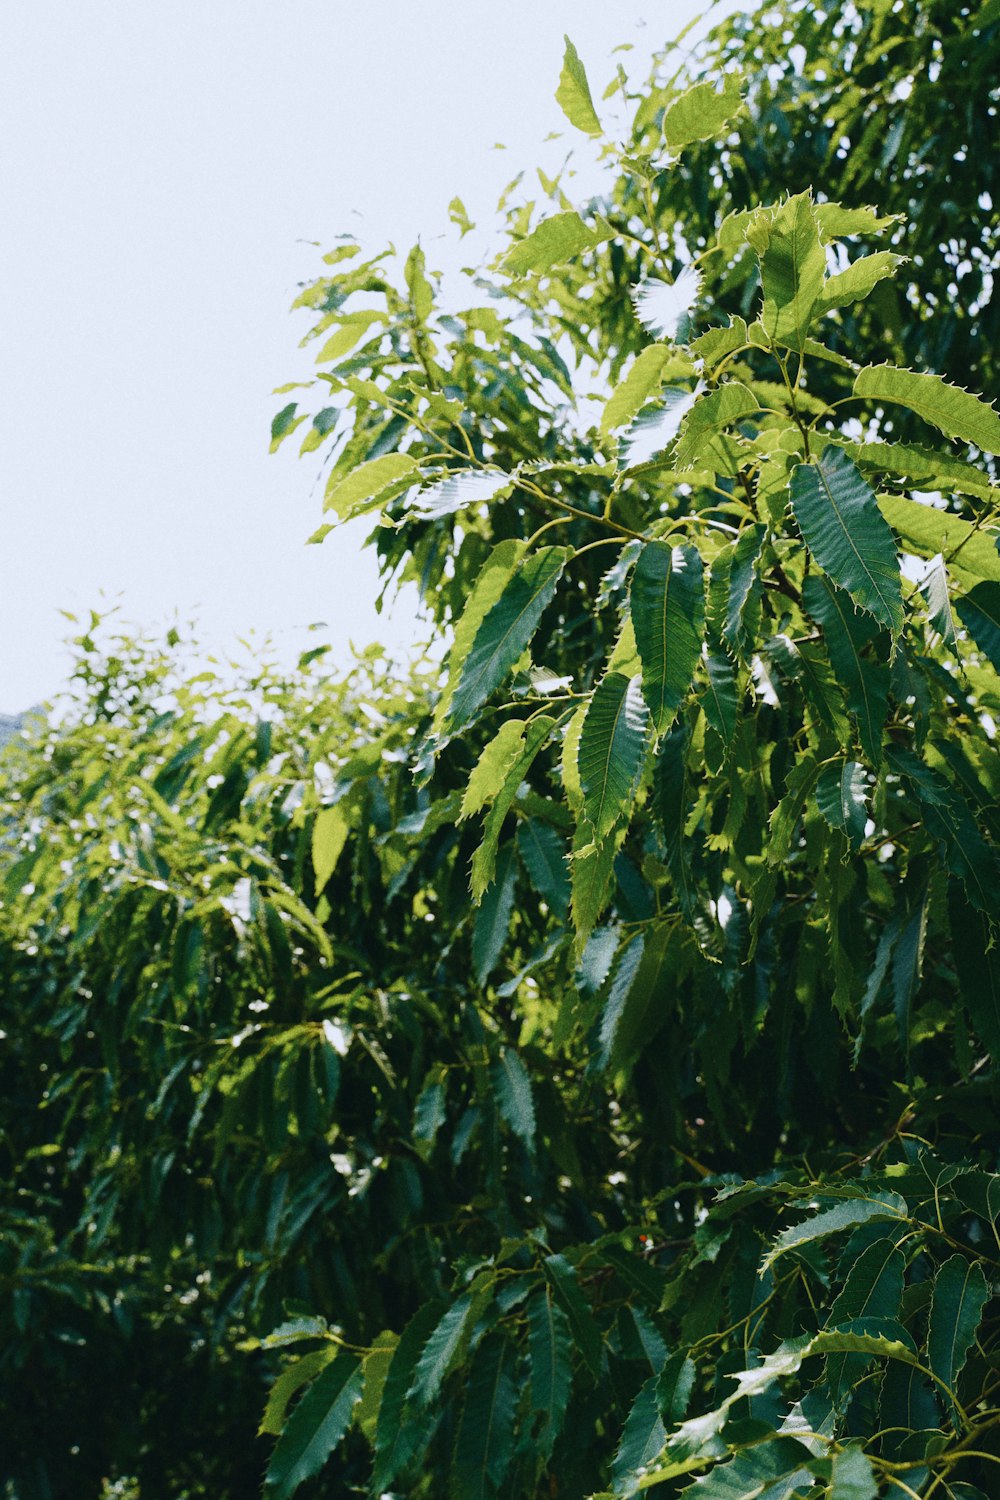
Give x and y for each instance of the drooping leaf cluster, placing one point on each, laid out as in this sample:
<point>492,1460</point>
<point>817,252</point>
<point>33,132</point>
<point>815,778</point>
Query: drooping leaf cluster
<point>583,1062</point>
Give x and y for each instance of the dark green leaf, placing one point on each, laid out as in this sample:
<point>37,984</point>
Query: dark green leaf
<point>612,750</point>
<point>315,1427</point>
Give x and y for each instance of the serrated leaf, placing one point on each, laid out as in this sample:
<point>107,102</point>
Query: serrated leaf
<point>949,818</point>
<point>552,243</point>
<point>956,413</point>
<point>961,1291</point>
<point>979,612</point>
<point>848,1213</point>
<point>440,1350</point>
<point>792,268</point>
<point>784,819</point>
<point>484,860</point>
<point>855,283</point>
<point>612,749</point>
<point>668,615</point>
<point>505,632</point>
<point>591,869</point>
<point>641,1442</point>
<point>847,634</point>
<point>839,518</point>
<point>587,1336</point>
<point>398,1433</point>
<point>977,959</point>
<point>935,590</point>
<point>664,307</point>
<point>375,1368</point>
<point>365,486</point>
<point>429,1109</point>
<point>291,1380</point>
<point>841,793</point>
<point>491,769</point>
<point>710,414</point>
<point>775,1468</point>
<point>550,1365</point>
<point>701,113</point>
<point>637,985</point>
<point>927,471</point>
<point>721,699</point>
<point>543,854</point>
<point>907,969</point>
<point>490,583</point>
<point>484,1445</point>
<point>631,394</point>
<point>330,832</point>
<point>837,222</point>
<point>492,924</point>
<point>315,1427</point>
<point>655,428</point>
<point>468,487</point>
<point>873,1288</point>
<point>573,94</point>
<point>512,1087</point>
<point>926,530</point>
<point>852,1476</point>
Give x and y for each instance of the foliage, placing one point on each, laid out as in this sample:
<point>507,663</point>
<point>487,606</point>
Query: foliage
<point>575,1075</point>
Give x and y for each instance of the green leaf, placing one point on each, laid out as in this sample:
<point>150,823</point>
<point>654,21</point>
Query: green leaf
<point>375,1367</point>
<point>977,959</point>
<point>710,414</point>
<point>330,830</point>
<point>493,766</point>
<point>860,278</point>
<point>573,93</point>
<point>841,523</point>
<point>784,819</point>
<point>873,1288</point>
<point>837,222</point>
<point>721,700</point>
<point>587,1336</point>
<point>956,413</point>
<point>550,1365</point>
<point>399,1434</point>
<point>634,391</point>
<point>979,612</point>
<point>552,243</point>
<point>701,113</point>
<point>591,869</point>
<point>512,1087</point>
<point>315,1427</point>
<point>505,632</point>
<point>935,590</point>
<point>612,749</point>
<point>543,854</point>
<point>429,1110</point>
<point>439,1352</point>
<point>365,486</point>
<point>777,1467</point>
<point>928,531</point>
<point>292,1378</point>
<point>492,924</point>
<point>462,488</point>
<point>859,1209</point>
<point>926,469</point>
<point>642,1440</point>
<point>792,268</point>
<point>961,1291</point>
<point>484,1446</point>
<point>484,860</point>
<point>668,616</point>
<point>907,970</point>
<point>639,984</point>
<point>491,580</point>
<point>841,793</point>
<point>851,1476</point>
<point>285,423</point>
<point>847,634</point>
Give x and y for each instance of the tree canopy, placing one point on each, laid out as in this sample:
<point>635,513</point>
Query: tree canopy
<point>569,1071</point>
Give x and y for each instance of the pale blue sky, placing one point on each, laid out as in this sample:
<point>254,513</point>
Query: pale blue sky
<point>163,165</point>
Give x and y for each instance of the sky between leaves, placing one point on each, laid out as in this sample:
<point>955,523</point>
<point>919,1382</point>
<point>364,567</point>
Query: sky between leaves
<point>166,169</point>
